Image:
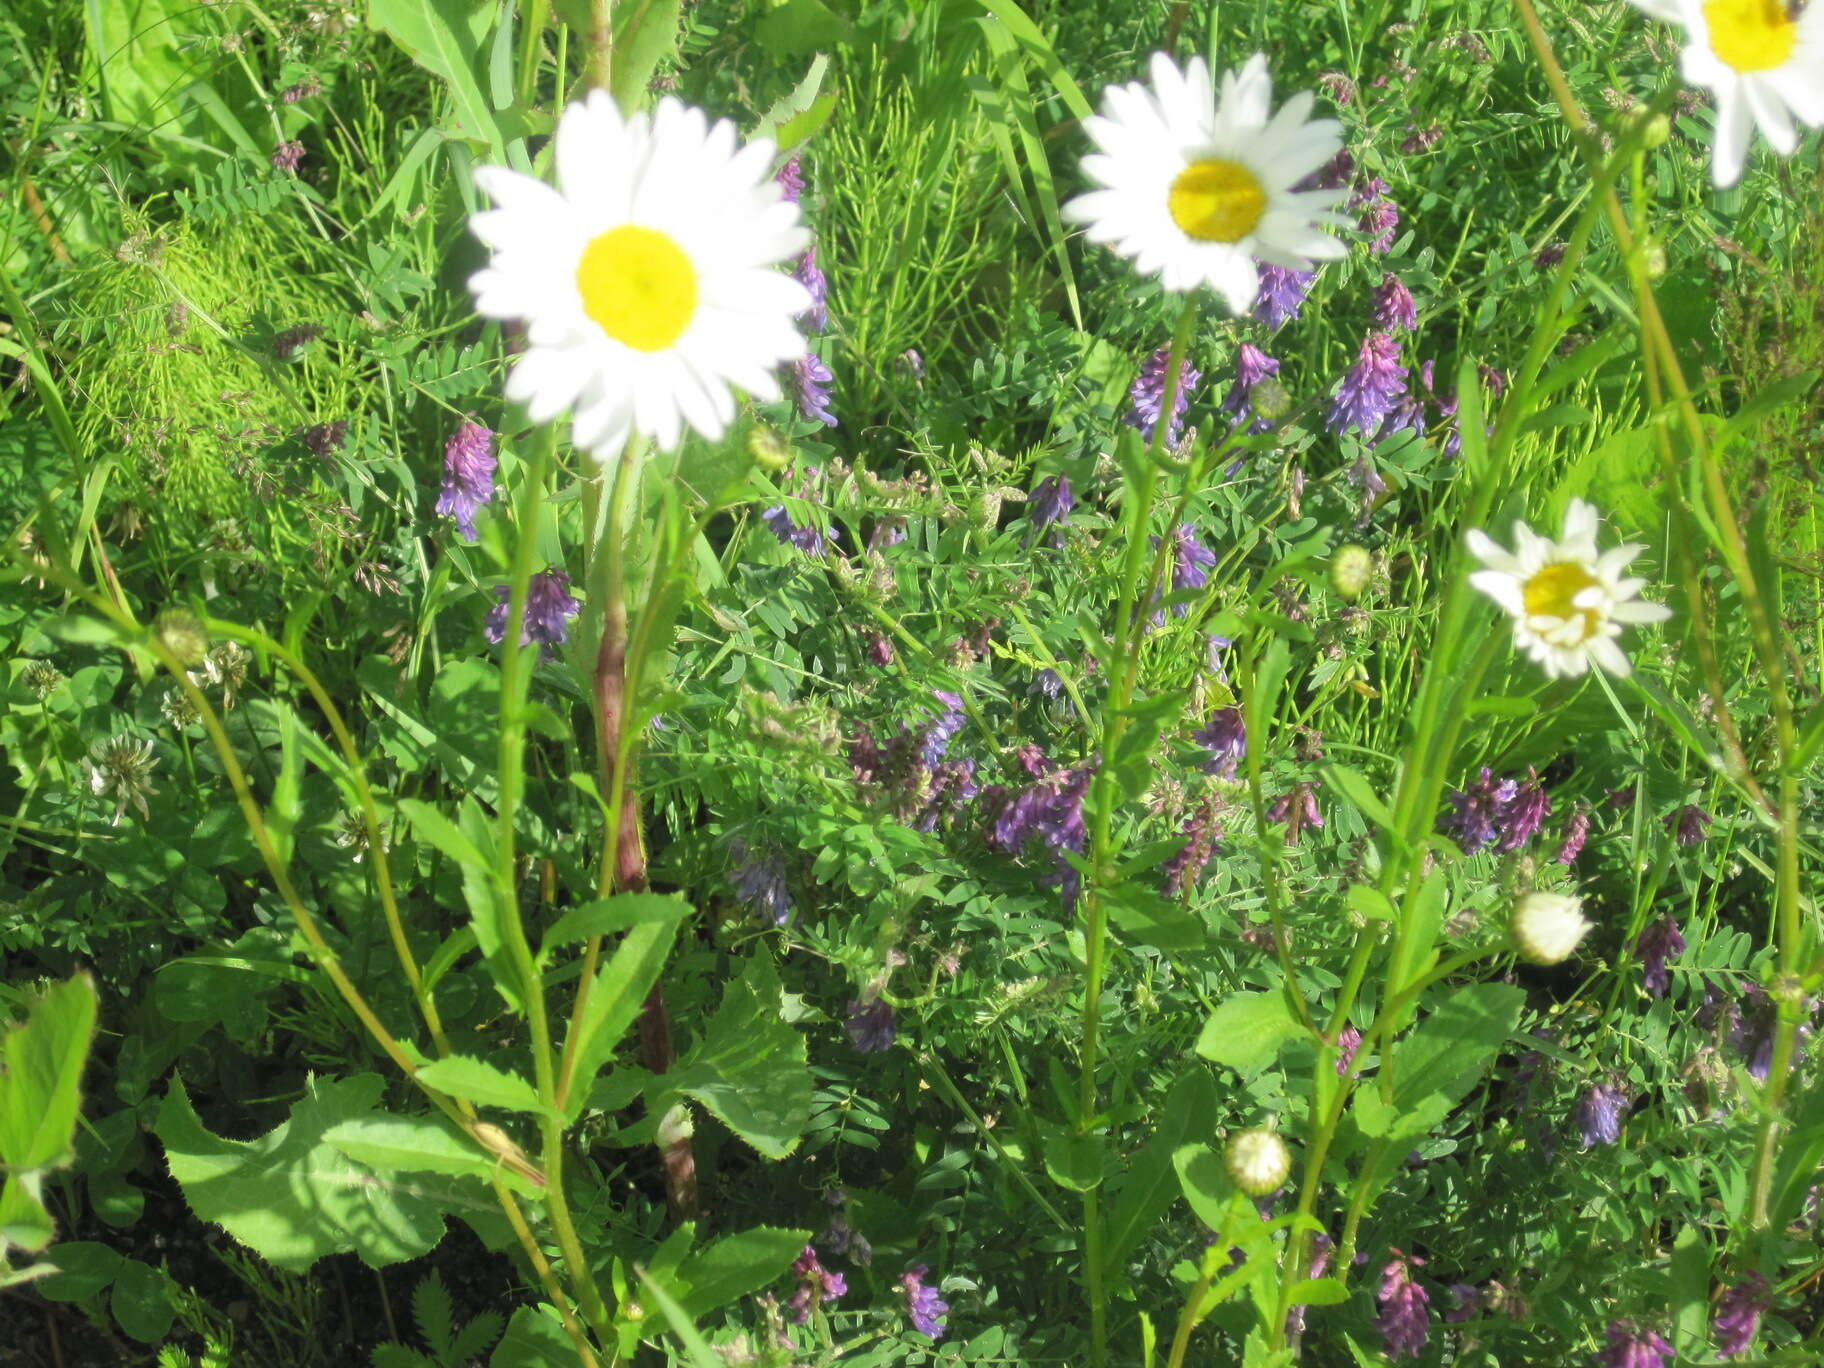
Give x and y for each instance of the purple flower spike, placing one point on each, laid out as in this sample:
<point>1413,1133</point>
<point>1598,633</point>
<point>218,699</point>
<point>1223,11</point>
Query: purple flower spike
<point>1051,501</point>
<point>1380,218</point>
<point>1658,943</point>
<point>1192,563</point>
<point>1468,1301</point>
<point>871,1026</point>
<point>1282,294</point>
<point>549,607</point>
<point>1576,832</point>
<point>468,476</point>
<point>1477,818</point>
<point>779,522</point>
<point>816,1285</point>
<point>817,317</point>
<point>1147,396</point>
<point>1372,387</point>
<point>1738,1314</point>
<point>1405,1322</point>
<point>1393,306</point>
<point>1630,1346</point>
<point>1227,739</point>
<point>1689,824</point>
<point>1346,1045</point>
<point>791,180</point>
<point>1598,1115</point>
<point>287,156</point>
<point>1523,814</point>
<point>813,379</point>
<point>947,724</point>
<point>923,1305</point>
<point>759,881</point>
<point>1252,365</point>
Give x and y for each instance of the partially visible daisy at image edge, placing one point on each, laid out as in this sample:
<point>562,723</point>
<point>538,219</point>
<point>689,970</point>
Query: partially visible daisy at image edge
<point>1762,60</point>
<point>1196,188</point>
<point>646,278</point>
<point>1568,601</point>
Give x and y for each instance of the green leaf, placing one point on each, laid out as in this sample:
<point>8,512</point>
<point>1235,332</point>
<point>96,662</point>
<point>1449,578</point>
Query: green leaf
<point>1205,1183</point>
<point>1441,1061</point>
<point>446,37</point>
<point>84,1268</point>
<point>794,105</point>
<point>1246,1030</point>
<point>645,34</point>
<point>736,1265</point>
<point>1354,787</point>
<point>477,1081</point>
<point>1690,1287</point>
<point>141,1302</point>
<point>409,1144</point>
<point>293,1197</point>
<point>682,1325</point>
<point>535,1338</point>
<point>42,1074</point>
<point>1369,903</point>
<point>1148,918</point>
<point>1319,1292</point>
<point>605,916</point>
<point>620,988</point>
<point>749,1069</point>
<point>1151,1185</point>
<point>435,1314</point>
<point>1073,1161</point>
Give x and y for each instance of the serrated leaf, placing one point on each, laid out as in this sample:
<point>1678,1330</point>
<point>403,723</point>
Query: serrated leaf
<point>620,988</point>
<point>605,916</point>
<point>293,1197</point>
<point>736,1265</point>
<point>477,1081</point>
<point>409,1144</point>
<point>535,1338</point>
<point>749,1069</point>
<point>435,1313</point>
<point>445,37</point>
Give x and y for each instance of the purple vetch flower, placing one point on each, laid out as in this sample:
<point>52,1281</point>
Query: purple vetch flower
<point>1523,814</point>
<point>813,380</point>
<point>759,881</point>
<point>1213,648</point>
<point>779,522</point>
<point>1321,1247</point>
<point>791,179</point>
<point>321,439</point>
<point>1576,832</point>
<point>1548,256</point>
<point>950,786</point>
<point>816,1285</point>
<point>1282,294</point>
<point>1468,1302</point>
<point>1227,739</point>
<point>1689,824</point>
<point>1598,1115</point>
<point>1347,1043</point>
<point>817,317</point>
<point>926,1309</point>
<point>1419,140</point>
<point>1297,808</point>
<point>880,649</point>
<point>943,728</point>
<point>1371,388</point>
<point>1049,809</point>
<point>1394,309</point>
<point>1750,1033</point>
<point>1380,216</point>
<point>1201,837</point>
<point>286,156</point>
<point>1365,476</point>
<point>1658,943</point>
<point>1252,365</point>
<point>468,476</point>
<point>1048,684</point>
<point>1405,1322</point>
<point>1630,1346</point>
<point>1146,398</point>
<point>870,1026</point>
<point>1477,818</point>
<point>1192,562</point>
<point>1051,501</point>
<point>549,607</point>
<point>1738,1314</point>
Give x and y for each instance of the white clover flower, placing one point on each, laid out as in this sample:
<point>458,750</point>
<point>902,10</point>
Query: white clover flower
<point>1196,189</point>
<point>1763,61</point>
<point>1568,602</point>
<point>121,769</point>
<point>1547,927</point>
<point>1257,1160</point>
<point>646,278</point>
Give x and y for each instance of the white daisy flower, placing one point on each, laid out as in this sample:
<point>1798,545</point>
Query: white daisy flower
<point>1568,601</point>
<point>646,278</point>
<point>1763,60</point>
<point>1196,189</point>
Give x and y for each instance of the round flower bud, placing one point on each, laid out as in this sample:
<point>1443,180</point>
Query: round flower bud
<point>1257,1160</point>
<point>1653,258</point>
<point>1547,927</point>
<point>1269,399</point>
<point>769,450</point>
<point>182,633</point>
<point>1350,570</point>
<point>1659,128</point>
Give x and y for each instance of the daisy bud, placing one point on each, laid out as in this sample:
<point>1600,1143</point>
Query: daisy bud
<point>1547,927</point>
<point>1350,570</point>
<point>1258,1161</point>
<point>769,450</point>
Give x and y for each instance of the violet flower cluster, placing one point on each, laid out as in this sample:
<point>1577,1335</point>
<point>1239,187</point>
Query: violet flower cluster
<point>1506,813</point>
<point>549,607</point>
<point>1146,398</point>
<point>1405,1321</point>
<point>468,476</point>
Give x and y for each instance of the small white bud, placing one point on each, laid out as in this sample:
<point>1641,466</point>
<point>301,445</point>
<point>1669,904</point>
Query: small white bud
<point>1257,1160</point>
<point>1547,927</point>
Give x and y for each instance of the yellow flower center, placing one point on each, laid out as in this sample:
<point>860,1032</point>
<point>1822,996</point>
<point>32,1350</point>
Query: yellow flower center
<point>1217,200</point>
<point>1553,590</point>
<point>1751,35</point>
<point>638,285</point>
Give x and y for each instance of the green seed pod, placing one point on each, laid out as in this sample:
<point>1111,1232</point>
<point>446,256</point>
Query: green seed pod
<point>1351,567</point>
